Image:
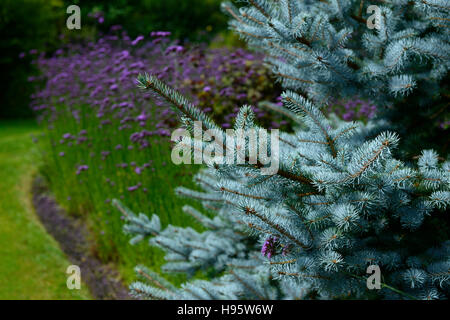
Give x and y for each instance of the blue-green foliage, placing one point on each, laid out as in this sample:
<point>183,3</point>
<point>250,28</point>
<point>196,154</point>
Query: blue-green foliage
<point>325,50</point>
<point>339,202</point>
<point>342,199</point>
<point>327,47</point>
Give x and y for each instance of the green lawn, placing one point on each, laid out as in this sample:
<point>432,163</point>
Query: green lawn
<point>32,266</point>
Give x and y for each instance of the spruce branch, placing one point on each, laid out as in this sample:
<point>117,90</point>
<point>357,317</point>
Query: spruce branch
<point>150,82</point>
<point>281,230</point>
<point>384,285</point>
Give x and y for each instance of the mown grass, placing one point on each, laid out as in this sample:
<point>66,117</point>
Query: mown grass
<point>32,266</point>
<point>90,192</point>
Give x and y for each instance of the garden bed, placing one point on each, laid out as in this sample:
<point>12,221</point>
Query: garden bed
<point>74,239</point>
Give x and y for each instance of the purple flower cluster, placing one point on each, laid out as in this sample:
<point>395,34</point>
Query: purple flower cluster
<point>82,168</point>
<point>102,75</point>
<point>353,109</point>
<point>272,247</point>
<point>269,247</point>
<point>97,16</point>
<point>160,33</point>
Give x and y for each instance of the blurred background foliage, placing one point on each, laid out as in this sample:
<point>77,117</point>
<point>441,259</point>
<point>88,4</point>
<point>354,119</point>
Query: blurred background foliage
<point>25,27</point>
<point>32,27</point>
<point>186,19</point>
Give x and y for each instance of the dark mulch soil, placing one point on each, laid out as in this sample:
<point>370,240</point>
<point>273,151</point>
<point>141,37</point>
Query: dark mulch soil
<point>73,237</point>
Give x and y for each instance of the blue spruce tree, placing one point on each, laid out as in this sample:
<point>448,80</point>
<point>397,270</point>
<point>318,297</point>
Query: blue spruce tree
<point>398,56</point>
<point>344,197</point>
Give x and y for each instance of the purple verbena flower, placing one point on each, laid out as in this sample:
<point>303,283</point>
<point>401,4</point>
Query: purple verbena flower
<point>142,117</point>
<point>82,168</point>
<point>174,48</point>
<point>269,247</point>
<point>136,41</point>
<point>133,188</point>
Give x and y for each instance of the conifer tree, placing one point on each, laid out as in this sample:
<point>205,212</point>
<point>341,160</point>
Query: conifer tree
<point>342,199</point>
<point>398,56</point>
